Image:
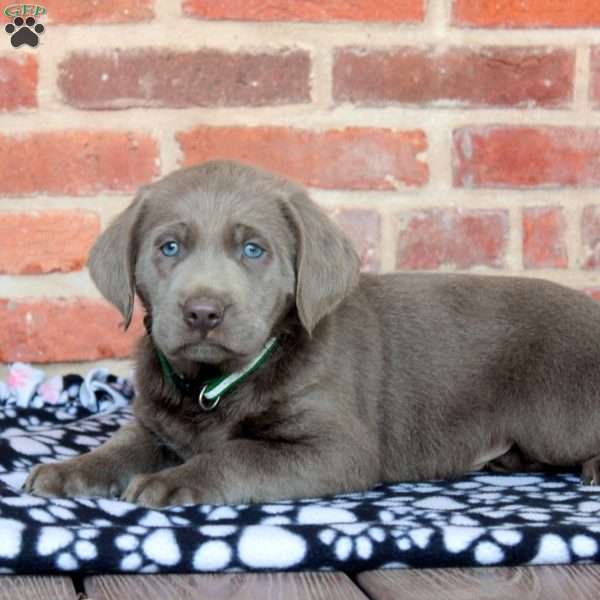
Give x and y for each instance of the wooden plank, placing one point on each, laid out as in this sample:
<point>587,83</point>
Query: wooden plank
<point>36,588</point>
<point>234,586</point>
<point>556,582</point>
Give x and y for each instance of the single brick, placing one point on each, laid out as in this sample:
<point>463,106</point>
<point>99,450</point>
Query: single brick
<point>590,235</point>
<point>363,227</point>
<point>524,157</point>
<point>98,11</point>
<point>59,329</point>
<point>394,11</point>
<point>458,76</point>
<point>76,162</point>
<point>18,82</point>
<point>435,238</point>
<point>526,13</point>
<point>544,244</point>
<point>166,78</point>
<point>352,158</point>
<point>42,242</point>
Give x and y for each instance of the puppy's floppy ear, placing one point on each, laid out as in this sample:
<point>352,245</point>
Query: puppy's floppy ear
<point>327,266</point>
<point>112,259</point>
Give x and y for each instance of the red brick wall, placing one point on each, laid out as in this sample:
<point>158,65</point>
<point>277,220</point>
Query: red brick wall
<point>440,134</point>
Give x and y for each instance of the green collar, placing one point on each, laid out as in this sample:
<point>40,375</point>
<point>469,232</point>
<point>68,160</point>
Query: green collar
<point>209,392</point>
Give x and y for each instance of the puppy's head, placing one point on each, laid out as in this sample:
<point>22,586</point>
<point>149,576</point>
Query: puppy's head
<point>218,254</point>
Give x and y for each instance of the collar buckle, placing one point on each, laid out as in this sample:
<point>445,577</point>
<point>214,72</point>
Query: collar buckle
<point>207,404</point>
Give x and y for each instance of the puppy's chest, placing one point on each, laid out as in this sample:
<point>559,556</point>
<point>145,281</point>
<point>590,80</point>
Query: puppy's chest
<point>189,434</point>
<point>188,430</point>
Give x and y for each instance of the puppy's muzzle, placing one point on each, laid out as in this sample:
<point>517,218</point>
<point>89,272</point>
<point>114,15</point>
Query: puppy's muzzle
<point>203,314</point>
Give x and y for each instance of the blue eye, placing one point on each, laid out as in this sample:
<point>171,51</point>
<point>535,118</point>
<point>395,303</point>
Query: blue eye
<point>253,250</point>
<point>170,249</point>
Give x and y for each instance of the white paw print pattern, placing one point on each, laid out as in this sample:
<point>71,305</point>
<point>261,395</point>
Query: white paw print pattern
<point>216,553</point>
<point>70,546</point>
<point>26,443</point>
<point>357,539</point>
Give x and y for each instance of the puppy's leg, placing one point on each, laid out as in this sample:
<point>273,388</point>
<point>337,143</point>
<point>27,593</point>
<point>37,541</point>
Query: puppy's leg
<point>514,461</point>
<point>590,471</point>
<point>253,471</point>
<point>105,471</point>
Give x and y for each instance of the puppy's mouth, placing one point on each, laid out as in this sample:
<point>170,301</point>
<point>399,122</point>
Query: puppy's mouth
<point>220,347</point>
<point>205,351</point>
<point>211,352</point>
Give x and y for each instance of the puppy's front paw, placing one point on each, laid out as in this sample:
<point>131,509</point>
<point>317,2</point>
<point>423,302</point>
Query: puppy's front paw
<point>70,478</point>
<point>163,489</point>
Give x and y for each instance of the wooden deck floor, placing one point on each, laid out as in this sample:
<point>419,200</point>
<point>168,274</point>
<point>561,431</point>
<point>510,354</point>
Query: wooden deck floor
<point>581,582</point>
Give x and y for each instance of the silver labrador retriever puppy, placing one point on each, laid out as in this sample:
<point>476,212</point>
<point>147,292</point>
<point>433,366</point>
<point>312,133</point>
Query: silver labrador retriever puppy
<point>273,369</point>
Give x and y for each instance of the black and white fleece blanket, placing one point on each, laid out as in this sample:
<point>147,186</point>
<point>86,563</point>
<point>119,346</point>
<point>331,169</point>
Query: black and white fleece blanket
<point>481,519</point>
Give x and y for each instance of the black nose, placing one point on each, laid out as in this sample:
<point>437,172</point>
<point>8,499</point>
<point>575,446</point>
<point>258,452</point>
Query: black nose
<point>202,313</point>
